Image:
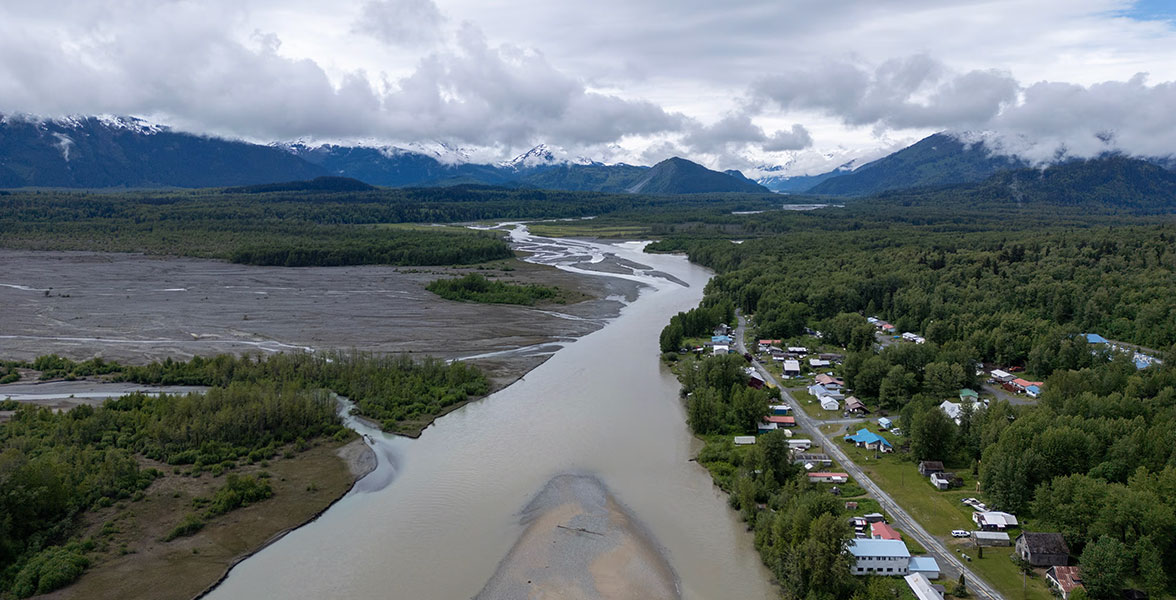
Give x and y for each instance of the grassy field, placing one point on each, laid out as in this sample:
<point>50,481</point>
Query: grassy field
<point>1002,574</point>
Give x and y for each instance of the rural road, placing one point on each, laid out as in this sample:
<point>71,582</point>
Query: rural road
<point>949,565</point>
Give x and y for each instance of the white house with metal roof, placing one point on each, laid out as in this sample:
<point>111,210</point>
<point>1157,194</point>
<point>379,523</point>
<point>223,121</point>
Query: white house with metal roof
<point>879,557</point>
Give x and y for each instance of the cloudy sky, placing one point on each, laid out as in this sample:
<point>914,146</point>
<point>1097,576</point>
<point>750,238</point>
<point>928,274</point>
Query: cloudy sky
<point>802,83</point>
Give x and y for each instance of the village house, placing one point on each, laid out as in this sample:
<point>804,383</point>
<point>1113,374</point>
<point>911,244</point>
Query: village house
<point>994,520</point>
<point>926,565</point>
<point>782,421</point>
<point>764,427</point>
<point>825,477</point>
<point>1043,549</point>
<point>828,382</point>
<point>818,363</point>
<point>991,538</point>
<point>744,440</point>
<point>791,368</point>
<point>1001,376</point>
<point>885,423</point>
<point>780,409</point>
<point>968,395</point>
<point>944,481</point>
<point>820,391</point>
<point>927,467</point>
<point>879,557</point>
<point>721,349</point>
<point>829,403</point>
<point>922,588</point>
<point>869,440</point>
<point>855,406</point>
<point>882,531</point>
<point>1064,579</point>
<point>955,410</point>
<point>800,445</point>
<point>765,344</point>
<point>798,350</point>
<point>812,459</point>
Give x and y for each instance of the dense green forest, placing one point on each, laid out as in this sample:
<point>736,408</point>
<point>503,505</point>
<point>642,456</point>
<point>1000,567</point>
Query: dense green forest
<point>476,288</point>
<point>56,466</point>
<point>1095,458</point>
<point>305,228</point>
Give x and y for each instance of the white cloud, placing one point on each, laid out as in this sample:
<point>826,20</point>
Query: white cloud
<point>730,84</point>
<point>911,92</point>
<point>401,22</point>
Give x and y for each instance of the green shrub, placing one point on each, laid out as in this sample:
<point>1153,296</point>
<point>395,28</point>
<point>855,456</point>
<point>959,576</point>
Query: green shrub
<point>238,491</point>
<point>52,568</point>
<point>189,526</point>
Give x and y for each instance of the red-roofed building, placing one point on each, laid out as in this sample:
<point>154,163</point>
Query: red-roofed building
<point>882,531</point>
<point>782,421</point>
<point>1065,579</point>
<point>828,477</point>
<point>1024,384</point>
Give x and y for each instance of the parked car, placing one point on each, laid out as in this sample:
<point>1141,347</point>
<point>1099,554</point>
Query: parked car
<point>959,533</point>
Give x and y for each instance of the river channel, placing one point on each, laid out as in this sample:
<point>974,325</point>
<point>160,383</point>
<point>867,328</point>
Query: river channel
<point>440,512</point>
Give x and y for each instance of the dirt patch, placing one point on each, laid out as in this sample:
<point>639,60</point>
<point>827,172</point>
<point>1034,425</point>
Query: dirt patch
<point>133,563</point>
<point>581,544</point>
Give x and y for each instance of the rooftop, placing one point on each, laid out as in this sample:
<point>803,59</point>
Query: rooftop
<point>922,587</point>
<point>1067,577</point>
<point>884,531</point>
<point>923,563</point>
<point>1046,543</point>
<point>865,436</point>
<point>867,547</point>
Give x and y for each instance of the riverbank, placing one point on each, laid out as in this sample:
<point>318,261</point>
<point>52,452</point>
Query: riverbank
<point>132,563</point>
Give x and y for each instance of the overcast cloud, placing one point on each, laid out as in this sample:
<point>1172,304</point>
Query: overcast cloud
<point>730,84</point>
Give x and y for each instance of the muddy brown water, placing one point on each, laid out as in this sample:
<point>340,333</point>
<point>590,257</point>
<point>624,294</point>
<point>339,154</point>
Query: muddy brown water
<point>440,513</point>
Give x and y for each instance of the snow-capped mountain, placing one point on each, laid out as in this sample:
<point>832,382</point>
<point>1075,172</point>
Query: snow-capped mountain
<point>108,151</point>
<point>545,156</point>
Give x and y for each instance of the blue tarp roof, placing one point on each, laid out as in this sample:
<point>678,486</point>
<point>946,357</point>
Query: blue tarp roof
<point>720,338</point>
<point>866,436</point>
<point>1141,364</point>
<point>1033,389</point>
<point>923,564</point>
<point>1095,338</point>
<point>869,547</point>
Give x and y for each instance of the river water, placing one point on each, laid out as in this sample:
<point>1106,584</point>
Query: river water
<point>440,512</point>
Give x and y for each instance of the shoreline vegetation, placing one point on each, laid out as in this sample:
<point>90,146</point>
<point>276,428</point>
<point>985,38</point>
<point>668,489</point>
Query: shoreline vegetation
<point>64,469</point>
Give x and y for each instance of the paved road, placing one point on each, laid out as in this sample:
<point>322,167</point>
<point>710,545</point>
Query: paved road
<point>949,565</point>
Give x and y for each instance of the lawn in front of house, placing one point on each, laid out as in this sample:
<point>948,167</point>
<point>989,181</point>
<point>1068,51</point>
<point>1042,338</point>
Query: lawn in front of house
<point>808,403</point>
<point>998,571</point>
